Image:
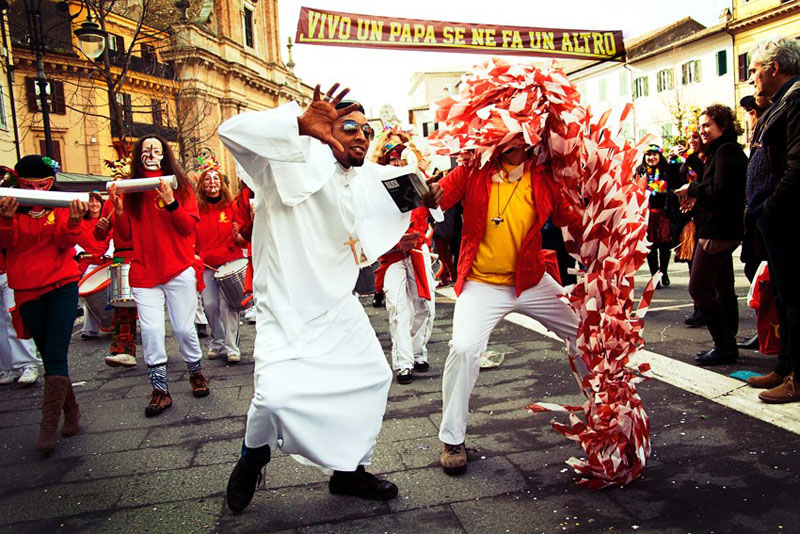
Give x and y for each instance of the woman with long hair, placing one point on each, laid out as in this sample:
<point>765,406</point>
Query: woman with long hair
<point>42,271</point>
<point>216,246</point>
<point>162,226</point>
<point>91,257</point>
<point>656,171</point>
<point>718,200</point>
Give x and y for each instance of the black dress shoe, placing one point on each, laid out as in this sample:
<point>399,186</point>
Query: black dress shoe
<point>665,280</point>
<point>242,486</point>
<point>701,353</point>
<point>378,301</point>
<point>361,484</point>
<point>718,356</point>
<point>421,367</point>
<point>694,320</point>
<point>749,344</point>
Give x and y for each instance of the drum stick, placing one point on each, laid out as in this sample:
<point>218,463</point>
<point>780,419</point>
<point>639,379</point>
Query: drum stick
<point>207,266</point>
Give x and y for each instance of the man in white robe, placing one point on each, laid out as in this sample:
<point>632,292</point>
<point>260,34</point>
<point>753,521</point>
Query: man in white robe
<point>321,378</point>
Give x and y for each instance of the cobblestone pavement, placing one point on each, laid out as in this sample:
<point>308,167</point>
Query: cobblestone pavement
<point>712,469</point>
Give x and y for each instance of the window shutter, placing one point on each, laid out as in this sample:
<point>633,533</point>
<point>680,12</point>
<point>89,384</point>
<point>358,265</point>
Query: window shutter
<point>722,62</point>
<point>127,108</point>
<point>697,71</point>
<point>30,93</point>
<point>59,103</point>
<point>743,75</point>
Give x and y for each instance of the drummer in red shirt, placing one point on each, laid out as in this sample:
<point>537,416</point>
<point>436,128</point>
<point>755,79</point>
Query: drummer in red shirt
<point>162,226</point>
<point>40,245</point>
<point>92,256</point>
<point>215,244</point>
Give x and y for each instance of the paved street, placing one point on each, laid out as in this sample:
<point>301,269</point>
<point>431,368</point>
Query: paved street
<point>713,468</point>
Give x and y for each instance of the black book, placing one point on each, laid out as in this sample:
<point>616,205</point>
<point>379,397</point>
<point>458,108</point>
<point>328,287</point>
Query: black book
<point>406,188</point>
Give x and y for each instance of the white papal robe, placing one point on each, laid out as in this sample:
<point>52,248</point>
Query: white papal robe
<point>321,378</point>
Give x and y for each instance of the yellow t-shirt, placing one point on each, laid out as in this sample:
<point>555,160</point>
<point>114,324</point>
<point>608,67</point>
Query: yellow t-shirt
<point>496,260</point>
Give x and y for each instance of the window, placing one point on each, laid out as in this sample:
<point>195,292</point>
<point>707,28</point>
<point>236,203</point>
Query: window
<point>124,102</point>
<point>722,63</point>
<point>666,130</point>
<point>627,130</point>
<point>3,120</point>
<point>642,133</point>
<point>641,87</point>
<point>665,80</point>
<point>148,53</point>
<point>602,90</point>
<point>247,20</point>
<point>55,96</point>
<point>744,64</point>
<point>158,111</point>
<point>56,151</point>
<point>624,84</point>
<point>690,72</point>
<point>116,44</point>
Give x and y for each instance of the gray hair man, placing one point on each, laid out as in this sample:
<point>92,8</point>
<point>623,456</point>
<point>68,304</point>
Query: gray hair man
<point>775,72</point>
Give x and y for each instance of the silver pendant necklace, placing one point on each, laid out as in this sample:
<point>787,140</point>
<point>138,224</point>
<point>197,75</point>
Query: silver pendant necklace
<point>499,218</point>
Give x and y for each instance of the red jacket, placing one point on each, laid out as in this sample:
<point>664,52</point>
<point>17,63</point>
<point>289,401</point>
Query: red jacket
<point>93,248</point>
<point>2,262</point>
<point>215,234</point>
<point>40,252</point>
<point>419,224</point>
<point>241,214</point>
<point>472,186</point>
<point>163,241</point>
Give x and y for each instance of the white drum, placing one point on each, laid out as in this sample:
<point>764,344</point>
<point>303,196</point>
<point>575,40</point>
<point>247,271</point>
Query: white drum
<point>93,291</point>
<point>230,277</point>
<point>119,290</point>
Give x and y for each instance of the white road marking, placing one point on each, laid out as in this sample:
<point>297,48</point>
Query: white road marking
<point>721,389</point>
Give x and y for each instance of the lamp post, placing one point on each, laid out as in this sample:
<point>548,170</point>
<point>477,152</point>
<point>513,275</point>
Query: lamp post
<point>92,44</point>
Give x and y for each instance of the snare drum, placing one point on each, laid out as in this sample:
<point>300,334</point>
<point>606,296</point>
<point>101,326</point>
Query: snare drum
<point>119,290</point>
<point>230,278</point>
<point>93,291</point>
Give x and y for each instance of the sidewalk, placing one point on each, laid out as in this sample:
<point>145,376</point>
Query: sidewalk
<point>712,469</point>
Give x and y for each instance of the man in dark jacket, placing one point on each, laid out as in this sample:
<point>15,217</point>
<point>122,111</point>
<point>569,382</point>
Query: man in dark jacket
<point>775,72</point>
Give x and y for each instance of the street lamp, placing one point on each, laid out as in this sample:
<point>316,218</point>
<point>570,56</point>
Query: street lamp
<point>91,39</point>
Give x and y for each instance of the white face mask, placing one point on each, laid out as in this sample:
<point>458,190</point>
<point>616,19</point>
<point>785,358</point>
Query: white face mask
<point>212,183</point>
<point>152,154</point>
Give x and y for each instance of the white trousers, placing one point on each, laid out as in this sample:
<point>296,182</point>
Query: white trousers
<point>15,353</point>
<point>224,322</point>
<point>91,324</point>
<point>410,317</point>
<point>478,309</point>
<point>321,395</point>
<point>180,295</point>
<point>200,313</point>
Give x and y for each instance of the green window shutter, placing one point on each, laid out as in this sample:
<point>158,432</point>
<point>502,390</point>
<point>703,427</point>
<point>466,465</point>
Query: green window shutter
<point>722,63</point>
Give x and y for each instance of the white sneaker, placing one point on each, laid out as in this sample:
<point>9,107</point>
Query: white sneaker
<point>234,358</point>
<point>30,375</point>
<point>9,376</point>
<point>213,354</point>
<point>121,360</point>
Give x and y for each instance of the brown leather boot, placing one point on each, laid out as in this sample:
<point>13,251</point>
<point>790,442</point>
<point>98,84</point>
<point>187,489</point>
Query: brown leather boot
<point>55,391</point>
<point>788,391</point>
<point>769,381</point>
<point>72,414</point>
<point>453,459</point>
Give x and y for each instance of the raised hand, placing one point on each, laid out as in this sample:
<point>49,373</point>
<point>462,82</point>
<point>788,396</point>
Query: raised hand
<point>77,209</point>
<point>433,197</point>
<point>318,118</point>
<point>165,192</point>
<point>116,200</point>
<point>103,224</point>
<point>8,207</point>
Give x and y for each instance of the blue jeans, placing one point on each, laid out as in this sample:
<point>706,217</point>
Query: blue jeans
<point>50,319</point>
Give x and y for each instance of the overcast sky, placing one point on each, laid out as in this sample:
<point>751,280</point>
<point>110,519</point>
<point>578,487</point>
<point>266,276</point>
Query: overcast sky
<point>378,77</point>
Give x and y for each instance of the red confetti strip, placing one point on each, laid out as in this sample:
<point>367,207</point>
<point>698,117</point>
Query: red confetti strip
<point>505,106</point>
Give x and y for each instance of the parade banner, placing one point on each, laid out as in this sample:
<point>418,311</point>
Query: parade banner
<point>321,27</point>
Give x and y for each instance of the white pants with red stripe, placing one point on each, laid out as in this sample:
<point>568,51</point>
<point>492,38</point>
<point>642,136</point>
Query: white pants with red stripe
<point>15,353</point>
<point>478,309</point>
<point>410,317</point>
<point>180,296</point>
<point>224,322</point>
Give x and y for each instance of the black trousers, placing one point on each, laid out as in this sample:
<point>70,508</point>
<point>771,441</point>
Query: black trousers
<point>782,258</point>
<point>712,290</point>
<point>50,319</point>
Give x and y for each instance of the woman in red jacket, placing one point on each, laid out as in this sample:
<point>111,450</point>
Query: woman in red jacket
<point>215,244</point>
<point>91,257</point>
<point>162,225</point>
<point>40,245</point>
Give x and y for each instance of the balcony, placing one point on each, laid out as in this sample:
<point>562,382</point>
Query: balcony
<point>149,66</point>
<point>139,129</point>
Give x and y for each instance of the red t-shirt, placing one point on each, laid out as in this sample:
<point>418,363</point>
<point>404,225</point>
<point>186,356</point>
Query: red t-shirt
<point>40,252</point>
<point>93,248</point>
<point>163,241</point>
<point>215,234</point>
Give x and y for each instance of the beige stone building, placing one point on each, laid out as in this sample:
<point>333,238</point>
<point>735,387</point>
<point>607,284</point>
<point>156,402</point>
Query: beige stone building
<point>189,69</point>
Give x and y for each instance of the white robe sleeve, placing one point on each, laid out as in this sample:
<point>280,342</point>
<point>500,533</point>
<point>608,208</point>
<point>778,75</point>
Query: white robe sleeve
<point>267,145</point>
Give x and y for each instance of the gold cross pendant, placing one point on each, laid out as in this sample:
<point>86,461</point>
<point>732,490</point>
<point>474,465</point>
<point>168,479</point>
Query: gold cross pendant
<point>352,243</point>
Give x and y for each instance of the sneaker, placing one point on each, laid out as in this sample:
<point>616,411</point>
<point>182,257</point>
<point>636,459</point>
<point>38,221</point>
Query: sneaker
<point>9,376</point>
<point>361,484</point>
<point>159,402</point>
<point>454,459</point>
<point>30,374</point>
<point>404,376</point>
<point>213,354</point>
<point>199,385</point>
<point>241,486</point>
<point>121,360</point>
<point>234,358</point>
<point>421,367</point>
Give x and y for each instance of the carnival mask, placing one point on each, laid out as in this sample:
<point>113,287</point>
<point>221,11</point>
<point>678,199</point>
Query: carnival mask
<point>152,154</point>
<point>38,184</point>
<point>212,183</point>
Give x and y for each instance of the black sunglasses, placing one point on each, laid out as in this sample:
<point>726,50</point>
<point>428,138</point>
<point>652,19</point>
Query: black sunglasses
<point>350,127</point>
